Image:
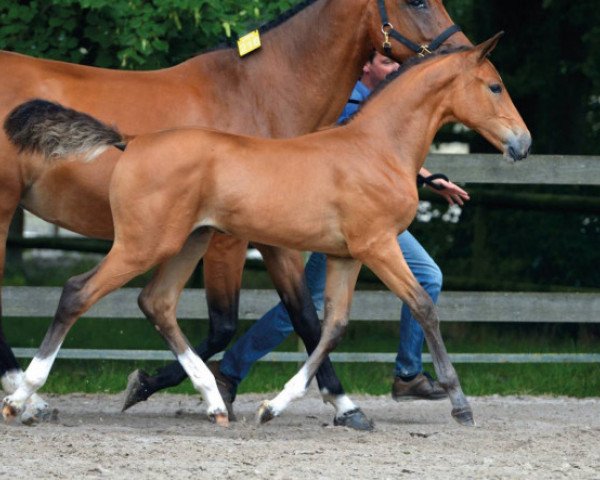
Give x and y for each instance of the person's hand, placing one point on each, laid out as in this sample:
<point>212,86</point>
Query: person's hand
<point>451,192</point>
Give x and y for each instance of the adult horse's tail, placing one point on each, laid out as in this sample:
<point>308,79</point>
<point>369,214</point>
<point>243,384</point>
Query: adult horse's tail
<point>39,126</point>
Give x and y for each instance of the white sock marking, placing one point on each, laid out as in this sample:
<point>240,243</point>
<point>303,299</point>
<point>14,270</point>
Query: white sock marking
<point>203,380</point>
<point>294,388</point>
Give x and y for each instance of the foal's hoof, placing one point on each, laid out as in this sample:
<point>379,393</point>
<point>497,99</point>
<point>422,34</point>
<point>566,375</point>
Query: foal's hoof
<point>355,419</point>
<point>33,415</point>
<point>464,416</point>
<point>9,412</point>
<point>265,413</point>
<point>219,418</point>
<point>137,389</point>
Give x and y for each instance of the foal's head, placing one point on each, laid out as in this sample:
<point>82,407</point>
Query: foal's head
<point>478,98</point>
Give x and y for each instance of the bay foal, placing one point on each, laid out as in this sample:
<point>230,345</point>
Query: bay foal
<point>298,82</point>
<point>345,191</point>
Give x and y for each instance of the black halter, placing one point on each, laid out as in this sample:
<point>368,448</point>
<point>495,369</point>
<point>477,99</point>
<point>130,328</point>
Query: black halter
<point>388,31</point>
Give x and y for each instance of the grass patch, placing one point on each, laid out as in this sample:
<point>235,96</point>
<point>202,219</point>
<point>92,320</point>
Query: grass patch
<point>578,380</point>
<point>575,380</point>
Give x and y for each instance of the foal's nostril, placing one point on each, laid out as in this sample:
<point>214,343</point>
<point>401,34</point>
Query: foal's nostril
<point>513,153</point>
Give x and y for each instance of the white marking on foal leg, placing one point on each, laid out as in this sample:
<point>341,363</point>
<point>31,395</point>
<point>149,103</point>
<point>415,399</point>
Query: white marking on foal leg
<point>341,403</point>
<point>203,381</point>
<point>35,376</point>
<point>35,407</point>
<point>12,380</point>
<point>294,388</point>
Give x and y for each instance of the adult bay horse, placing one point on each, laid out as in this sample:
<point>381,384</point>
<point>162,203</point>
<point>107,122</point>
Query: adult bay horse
<point>297,83</point>
<point>344,191</point>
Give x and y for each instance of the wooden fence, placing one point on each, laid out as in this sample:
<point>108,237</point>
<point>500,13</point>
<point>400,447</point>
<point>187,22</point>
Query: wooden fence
<point>367,305</point>
<point>381,305</point>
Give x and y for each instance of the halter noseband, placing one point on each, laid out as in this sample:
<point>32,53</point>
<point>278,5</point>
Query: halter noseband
<point>388,31</point>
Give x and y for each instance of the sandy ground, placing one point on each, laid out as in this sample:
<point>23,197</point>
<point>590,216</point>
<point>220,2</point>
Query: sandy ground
<point>169,437</point>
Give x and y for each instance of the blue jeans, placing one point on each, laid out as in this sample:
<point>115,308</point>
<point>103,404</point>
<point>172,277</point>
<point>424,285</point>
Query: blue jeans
<point>274,327</point>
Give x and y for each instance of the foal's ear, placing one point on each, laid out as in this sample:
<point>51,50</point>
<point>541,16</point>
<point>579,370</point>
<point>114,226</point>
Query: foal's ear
<point>486,47</point>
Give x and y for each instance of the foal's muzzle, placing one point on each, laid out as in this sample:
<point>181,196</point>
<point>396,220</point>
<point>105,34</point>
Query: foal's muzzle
<point>518,146</point>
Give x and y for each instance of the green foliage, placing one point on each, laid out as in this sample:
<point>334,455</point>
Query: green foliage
<point>133,34</point>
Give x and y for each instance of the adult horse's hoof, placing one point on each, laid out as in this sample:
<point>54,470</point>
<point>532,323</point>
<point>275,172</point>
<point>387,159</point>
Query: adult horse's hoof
<point>464,416</point>
<point>137,389</point>
<point>219,418</point>
<point>355,419</point>
<point>265,413</point>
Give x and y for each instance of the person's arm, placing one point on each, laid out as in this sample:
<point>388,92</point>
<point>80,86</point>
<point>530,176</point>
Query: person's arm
<point>450,191</point>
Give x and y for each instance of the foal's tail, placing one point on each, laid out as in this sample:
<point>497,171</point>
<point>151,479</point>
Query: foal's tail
<point>39,126</point>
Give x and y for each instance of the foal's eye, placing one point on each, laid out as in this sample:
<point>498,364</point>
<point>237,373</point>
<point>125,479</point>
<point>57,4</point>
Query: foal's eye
<point>496,88</point>
<point>417,3</point>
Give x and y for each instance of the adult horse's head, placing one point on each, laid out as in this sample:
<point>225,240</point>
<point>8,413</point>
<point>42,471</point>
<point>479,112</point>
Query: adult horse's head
<point>479,100</point>
<point>404,28</point>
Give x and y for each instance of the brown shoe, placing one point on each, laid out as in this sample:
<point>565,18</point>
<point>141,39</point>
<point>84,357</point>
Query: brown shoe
<point>419,388</point>
<point>226,386</point>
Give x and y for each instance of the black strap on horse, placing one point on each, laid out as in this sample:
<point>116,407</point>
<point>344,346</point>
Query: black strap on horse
<point>388,31</point>
<point>430,180</point>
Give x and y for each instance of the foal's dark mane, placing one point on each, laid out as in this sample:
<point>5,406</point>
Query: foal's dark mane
<point>407,65</point>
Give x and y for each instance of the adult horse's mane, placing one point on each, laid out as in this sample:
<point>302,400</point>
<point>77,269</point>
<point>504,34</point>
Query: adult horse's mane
<point>407,65</point>
<point>270,25</point>
<point>285,16</point>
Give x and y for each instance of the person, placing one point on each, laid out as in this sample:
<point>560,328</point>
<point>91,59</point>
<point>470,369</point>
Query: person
<point>410,381</point>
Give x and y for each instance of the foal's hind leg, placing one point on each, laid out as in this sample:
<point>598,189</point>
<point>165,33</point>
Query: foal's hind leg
<point>341,279</point>
<point>78,295</point>
<point>81,292</point>
<point>11,374</point>
<point>223,266</point>
<point>287,273</point>
<point>387,262</point>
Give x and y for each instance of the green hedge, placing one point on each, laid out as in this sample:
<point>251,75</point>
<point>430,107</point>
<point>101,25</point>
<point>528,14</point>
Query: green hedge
<point>125,33</point>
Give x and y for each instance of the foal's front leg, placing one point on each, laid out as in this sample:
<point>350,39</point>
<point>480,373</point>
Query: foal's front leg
<point>385,259</point>
<point>159,300</point>
<point>341,279</point>
<point>223,265</point>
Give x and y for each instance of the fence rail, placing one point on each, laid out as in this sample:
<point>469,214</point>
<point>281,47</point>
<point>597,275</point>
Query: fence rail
<point>367,306</point>
<point>536,170</point>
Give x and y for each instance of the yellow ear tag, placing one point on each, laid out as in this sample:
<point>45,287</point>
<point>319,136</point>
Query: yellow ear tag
<point>248,43</point>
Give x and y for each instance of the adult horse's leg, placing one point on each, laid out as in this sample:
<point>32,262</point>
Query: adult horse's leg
<point>223,266</point>
<point>81,292</point>
<point>286,270</point>
<point>386,261</point>
<point>341,279</point>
